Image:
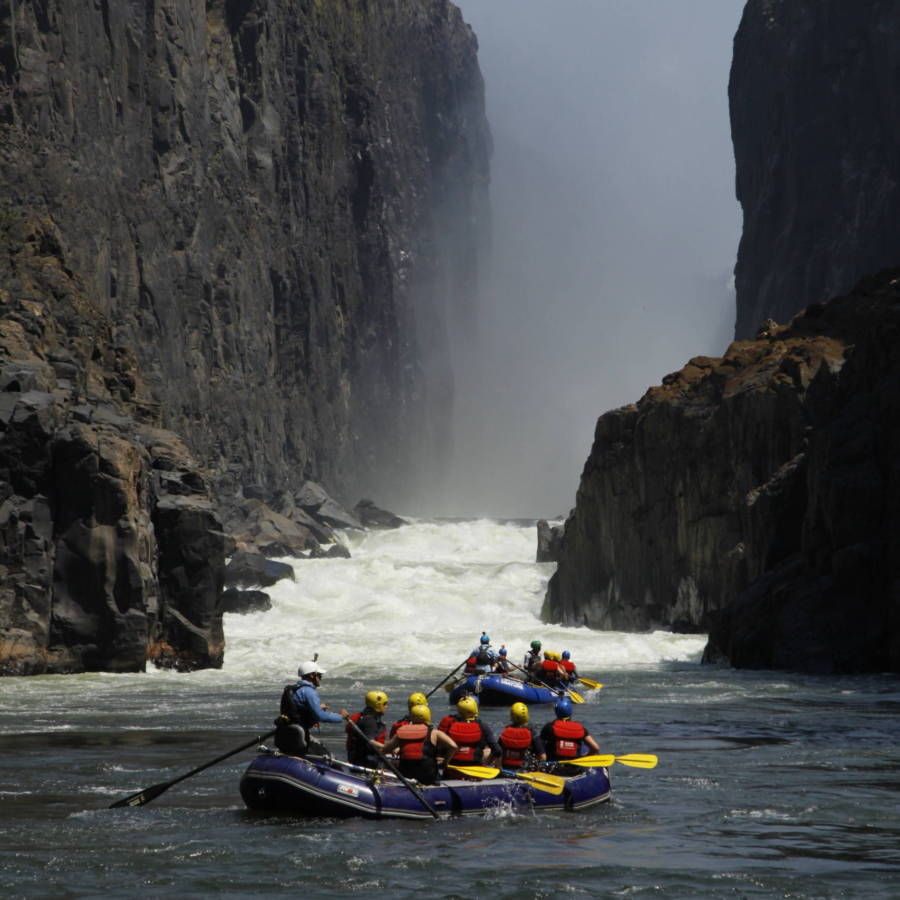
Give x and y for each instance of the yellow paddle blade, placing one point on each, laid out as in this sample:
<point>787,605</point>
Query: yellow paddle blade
<point>606,759</point>
<point>476,771</point>
<point>576,697</point>
<point>639,760</point>
<point>553,784</point>
<point>590,684</point>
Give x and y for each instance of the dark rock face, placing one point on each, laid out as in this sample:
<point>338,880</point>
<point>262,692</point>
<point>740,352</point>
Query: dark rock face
<point>755,496</point>
<point>815,120</point>
<point>235,601</point>
<point>229,237</point>
<point>549,541</point>
<point>372,516</point>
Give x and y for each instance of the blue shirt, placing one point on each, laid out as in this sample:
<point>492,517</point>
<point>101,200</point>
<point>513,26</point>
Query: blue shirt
<point>310,705</point>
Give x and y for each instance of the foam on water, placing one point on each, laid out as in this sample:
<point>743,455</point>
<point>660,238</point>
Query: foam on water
<point>417,598</point>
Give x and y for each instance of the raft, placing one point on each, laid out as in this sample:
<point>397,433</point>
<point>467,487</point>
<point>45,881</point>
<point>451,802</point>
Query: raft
<point>319,786</point>
<point>502,690</point>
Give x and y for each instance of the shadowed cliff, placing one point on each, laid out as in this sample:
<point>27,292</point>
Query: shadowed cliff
<point>231,236</point>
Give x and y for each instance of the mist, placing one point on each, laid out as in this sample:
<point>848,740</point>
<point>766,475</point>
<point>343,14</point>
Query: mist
<point>615,230</point>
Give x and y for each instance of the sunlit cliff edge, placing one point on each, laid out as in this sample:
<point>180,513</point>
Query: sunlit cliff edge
<point>231,235</point>
<point>754,496</point>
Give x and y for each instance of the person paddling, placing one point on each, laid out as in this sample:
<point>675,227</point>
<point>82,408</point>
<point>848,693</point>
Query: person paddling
<point>476,741</point>
<point>421,746</point>
<point>482,659</point>
<point>415,699</point>
<point>532,662</point>
<point>569,666</point>
<point>563,737</point>
<point>370,721</point>
<point>520,746</point>
<point>302,709</point>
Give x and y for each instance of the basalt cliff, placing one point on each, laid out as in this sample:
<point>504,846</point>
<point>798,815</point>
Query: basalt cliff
<point>233,234</point>
<point>754,495</point>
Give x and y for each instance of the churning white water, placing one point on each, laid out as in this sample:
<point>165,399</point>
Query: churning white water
<point>416,599</point>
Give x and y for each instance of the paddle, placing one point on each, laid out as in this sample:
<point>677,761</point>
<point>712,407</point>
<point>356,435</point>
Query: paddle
<point>590,684</point>
<point>151,793</point>
<point>576,697</point>
<point>448,675</point>
<point>553,784</point>
<point>638,760</point>
<point>413,789</point>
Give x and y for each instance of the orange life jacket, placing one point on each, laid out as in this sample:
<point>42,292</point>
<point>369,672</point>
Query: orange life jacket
<point>550,669</point>
<point>568,665</point>
<point>467,736</point>
<point>515,741</point>
<point>412,737</point>
<point>568,736</point>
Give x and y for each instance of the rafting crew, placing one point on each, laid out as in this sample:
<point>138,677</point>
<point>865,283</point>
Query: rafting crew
<point>551,671</point>
<point>475,739</point>
<point>503,666</point>
<point>415,699</point>
<point>563,737</point>
<point>520,746</point>
<point>301,710</point>
<point>369,721</point>
<point>532,662</point>
<point>569,666</point>
<point>482,659</point>
<point>422,749</point>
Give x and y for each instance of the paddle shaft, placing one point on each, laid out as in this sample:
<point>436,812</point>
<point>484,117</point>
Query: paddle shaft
<point>151,793</point>
<point>637,760</point>
<point>419,795</point>
<point>445,678</point>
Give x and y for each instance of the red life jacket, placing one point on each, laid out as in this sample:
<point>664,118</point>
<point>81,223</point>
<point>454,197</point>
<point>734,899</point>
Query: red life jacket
<point>549,670</point>
<point>568,665</point>
<point>471,663</point>
<point>467,736</point>
<point>515,740</point>
<point>353,737</point>
<point>569,736</point>
<point>395,727</point>
<point>412,736</point>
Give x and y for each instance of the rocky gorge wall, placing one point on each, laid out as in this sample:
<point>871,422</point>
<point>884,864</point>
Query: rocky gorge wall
<point>815,122</point>
<point>232,233</point>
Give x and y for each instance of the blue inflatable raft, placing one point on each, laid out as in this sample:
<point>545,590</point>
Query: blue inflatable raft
<point>502,690</point>
<point>318,786</point>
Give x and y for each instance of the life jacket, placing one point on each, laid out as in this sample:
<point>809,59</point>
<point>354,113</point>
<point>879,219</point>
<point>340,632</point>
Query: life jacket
<point>471,662</point>
<point>396,726</point>
<point>568,665</point>
<point>515,741</point>
<point>354,740</point>
<point>568,737</point>
<point>483,658</point>
<point>549,670</point>
<point>467,736</point>
<point>412,737</point>
<point>291,709</point>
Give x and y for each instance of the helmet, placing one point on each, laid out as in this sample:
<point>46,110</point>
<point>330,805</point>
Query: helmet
<point>377,700</point>
<point>563,708</point>
<point>467,707</point>
<point>417,699</point>
<point>535,645</point>
<point>420,713</point>
<point>566,654</point>
<point>518,713</point>
<point>308,668</point>
<point>484,638</point>
<point>551,654</point>
<point>502,651</point>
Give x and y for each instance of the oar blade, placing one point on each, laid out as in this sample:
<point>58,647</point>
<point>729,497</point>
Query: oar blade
<point>476,771</point>
<point>597,760</point>
<point>638,760</point>
<point>590,684</point>
<point>142,797</point>
<point>553,784</point>
<point>575,696</point>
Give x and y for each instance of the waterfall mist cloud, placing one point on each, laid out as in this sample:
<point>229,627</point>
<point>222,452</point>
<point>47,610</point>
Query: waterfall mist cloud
<point>615,233</point>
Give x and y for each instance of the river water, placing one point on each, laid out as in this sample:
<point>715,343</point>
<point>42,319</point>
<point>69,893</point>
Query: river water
<point>769,784</point>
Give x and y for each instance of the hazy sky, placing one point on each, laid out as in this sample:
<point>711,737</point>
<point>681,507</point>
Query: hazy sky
<point>615,231</point>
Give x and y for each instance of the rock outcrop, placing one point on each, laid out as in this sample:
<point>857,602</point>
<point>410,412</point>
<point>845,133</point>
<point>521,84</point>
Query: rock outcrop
<point>230,235</point>
<point>755,496</point>
<point>815,121</point>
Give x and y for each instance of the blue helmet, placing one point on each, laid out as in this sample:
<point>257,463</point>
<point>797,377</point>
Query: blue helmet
<point>566,654</point>
<point>502,651</point>
<point>563,708</point>
<point>484,638</point>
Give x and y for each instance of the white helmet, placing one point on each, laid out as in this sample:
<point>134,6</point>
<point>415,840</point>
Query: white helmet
<point>308,668</point>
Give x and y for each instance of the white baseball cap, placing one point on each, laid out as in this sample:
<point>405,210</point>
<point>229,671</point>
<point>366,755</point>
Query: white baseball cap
<point>308,668</point>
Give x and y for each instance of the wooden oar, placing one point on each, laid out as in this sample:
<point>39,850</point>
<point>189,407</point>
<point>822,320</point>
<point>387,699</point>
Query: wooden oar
<point>413,789</point>
<point>576,697</point>
<point>151,793</point>
<point>448,675</point>
<point>553,784</point>
<point>590,684</point>
<point>638,760</point>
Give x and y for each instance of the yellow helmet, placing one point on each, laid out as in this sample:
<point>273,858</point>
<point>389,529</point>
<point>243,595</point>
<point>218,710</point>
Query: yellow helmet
<point>551,654</point>
<point>417,699</point>
<point>467,707</point>
<point>420,713</point>
<point>518,713</point>
<point>377,700</point>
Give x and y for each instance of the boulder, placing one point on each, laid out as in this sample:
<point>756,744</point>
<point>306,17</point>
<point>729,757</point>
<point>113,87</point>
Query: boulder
<point>245,570</point>
<point>236,601</point>
<point>549,541</point>
<point>371,516</point>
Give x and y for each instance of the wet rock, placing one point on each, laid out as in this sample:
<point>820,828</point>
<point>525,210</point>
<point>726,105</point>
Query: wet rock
<point>372,516</point>
<point>236,601</point>
<point>549,541</point>
<point>246,570</point>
